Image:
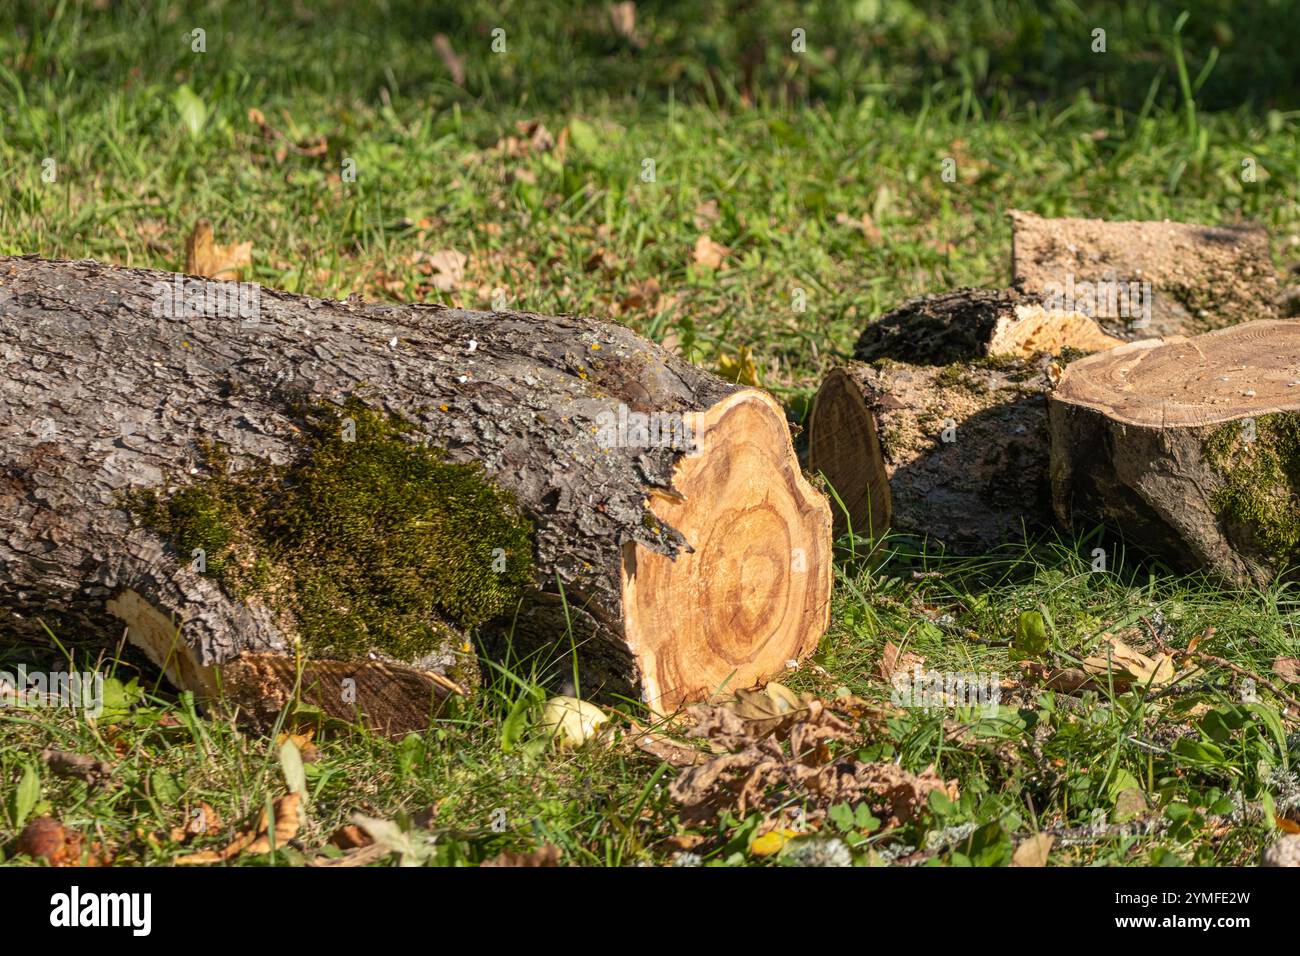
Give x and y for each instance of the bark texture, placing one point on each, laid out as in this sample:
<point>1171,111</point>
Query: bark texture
<point>102,394</point>
<point>968,324</point>
<point>1188,448</point>
<point>957,453</point>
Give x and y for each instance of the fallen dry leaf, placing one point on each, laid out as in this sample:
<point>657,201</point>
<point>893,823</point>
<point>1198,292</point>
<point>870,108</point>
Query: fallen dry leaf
<point>350,836</point>
<point>894,661</point>
<point>739,368</point>
<point>710,254</point>
<point>256,840</point>
<point>1125,662</point>
<point>45,838</point>
<point>777,746</point>
<point>303,741</point>
<point>448,269</point>
<point>79,766</point>
<point>686,841</point>
<point>706,214</point>
<point>1287,668</point>
<point>1033,851</point>
<point>546,855</point>
<point>203,257</point>
<point>200,821</point>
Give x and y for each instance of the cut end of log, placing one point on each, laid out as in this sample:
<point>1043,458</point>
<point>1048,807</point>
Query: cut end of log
<point>1221,376</point>
<point>1031,329</point>
<point>844,446</point>
<point>1148,279</point>
<point>956,454</point>
<point>753,594</point>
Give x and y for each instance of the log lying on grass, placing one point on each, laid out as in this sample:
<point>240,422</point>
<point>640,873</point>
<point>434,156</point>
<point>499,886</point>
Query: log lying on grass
<point>676,545</point>
<point>1191,448</point>
<point>957,453</point>
<point>968,324</point>
<point>1147,279</point>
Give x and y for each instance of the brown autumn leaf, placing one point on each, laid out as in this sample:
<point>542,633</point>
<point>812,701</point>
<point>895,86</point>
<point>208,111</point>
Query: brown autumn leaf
<point>1287,668</point>
<point>255,840</point>
<point>203,257</point>
<point>1033,851</point>
<point>545,855</point>
<point>706,214</point>
<point>448,269</point>
<point>80,766</point>
<point>200,821</point>
<point>779,750</point>
<point>1131,665</point>
<point>349,837</point>
<point>45,838</point>
<point>894,661</point>
<point>641,294</point>
<point>303,741</point>
<point>686,841</point>
<point>710,254</point>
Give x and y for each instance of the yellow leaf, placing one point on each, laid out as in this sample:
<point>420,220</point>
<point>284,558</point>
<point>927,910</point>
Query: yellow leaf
<point>739,368</point>
<point>770,842</point>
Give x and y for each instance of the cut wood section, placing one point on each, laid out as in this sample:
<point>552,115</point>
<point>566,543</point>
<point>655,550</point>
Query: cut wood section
<point>1195,278</point>
<point>752,594</point>
<point>668,572</point>
<point>970,324</point>
<point>955,453</point>
<point>1190,448</point>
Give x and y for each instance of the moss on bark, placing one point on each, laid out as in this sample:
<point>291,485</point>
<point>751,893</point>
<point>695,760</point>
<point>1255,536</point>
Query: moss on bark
<point>371,542</point>
<point>1260,467</point>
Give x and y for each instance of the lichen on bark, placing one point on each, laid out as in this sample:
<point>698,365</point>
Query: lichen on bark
<point>372,541</point>
<point>1259,462</point>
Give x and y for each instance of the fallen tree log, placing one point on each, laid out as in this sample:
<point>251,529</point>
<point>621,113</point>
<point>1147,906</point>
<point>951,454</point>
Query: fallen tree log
<point>1190,448</point>
<point>1146,279</point>
<point>676,547</point>
<point>957,453</point>
<point>968,324</point>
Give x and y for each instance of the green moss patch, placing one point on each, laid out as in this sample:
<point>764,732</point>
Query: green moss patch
<point>1261,493</point>
<point>370,542</point>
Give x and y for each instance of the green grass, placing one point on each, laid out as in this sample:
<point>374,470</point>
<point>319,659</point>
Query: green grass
<point>778,157</point>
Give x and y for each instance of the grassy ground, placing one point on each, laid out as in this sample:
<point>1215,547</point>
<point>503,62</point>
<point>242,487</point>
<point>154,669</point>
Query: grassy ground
<point>820,173</point>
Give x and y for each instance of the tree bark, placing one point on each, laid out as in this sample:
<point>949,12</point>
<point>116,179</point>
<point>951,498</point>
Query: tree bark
<point>1190,448</point>
<point>671,572</point>
<point>957,453</point>
<point>968,324</point>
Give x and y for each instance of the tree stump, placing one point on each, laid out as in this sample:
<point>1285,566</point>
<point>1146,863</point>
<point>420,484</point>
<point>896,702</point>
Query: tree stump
<point>1190,448</point>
